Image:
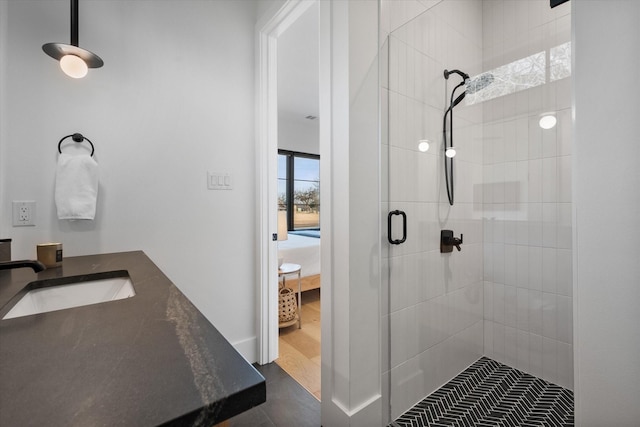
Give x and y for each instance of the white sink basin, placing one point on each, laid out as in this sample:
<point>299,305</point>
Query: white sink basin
<point>84,291</point>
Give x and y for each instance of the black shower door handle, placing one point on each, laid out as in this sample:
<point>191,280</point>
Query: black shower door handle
<point>404,227</point>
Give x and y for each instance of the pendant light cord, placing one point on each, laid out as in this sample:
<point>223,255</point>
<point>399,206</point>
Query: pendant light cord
<point>74,23</point>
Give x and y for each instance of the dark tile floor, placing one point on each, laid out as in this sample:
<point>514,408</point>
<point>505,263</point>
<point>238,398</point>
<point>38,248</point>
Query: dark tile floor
<point>288,403</point>
<point>486,394</point>
<point>490,394</point>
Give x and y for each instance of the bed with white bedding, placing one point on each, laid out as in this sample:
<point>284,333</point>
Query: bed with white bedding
<point>304,251</point>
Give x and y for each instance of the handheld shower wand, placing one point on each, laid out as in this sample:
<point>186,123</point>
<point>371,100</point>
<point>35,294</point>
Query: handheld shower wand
<point>448,161</point>
<point>471,86</point>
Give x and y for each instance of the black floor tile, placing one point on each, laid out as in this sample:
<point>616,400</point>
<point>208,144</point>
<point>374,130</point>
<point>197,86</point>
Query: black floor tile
<point>486,394</point>
<point>253,417</point>
<point>288,403</point>
<point>489,393</point>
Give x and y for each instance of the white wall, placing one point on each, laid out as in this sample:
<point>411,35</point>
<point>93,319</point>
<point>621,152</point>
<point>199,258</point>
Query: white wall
<point>606,179</point>
<point>351,362</point>
<point>434,307</point>
<point>300,136</point>
<point>298,84</point>
<point>174,100</point>
<point>527,198</point>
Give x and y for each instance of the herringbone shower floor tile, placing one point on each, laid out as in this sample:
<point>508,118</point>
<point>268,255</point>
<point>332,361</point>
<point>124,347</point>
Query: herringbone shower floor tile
<point>489,394</point>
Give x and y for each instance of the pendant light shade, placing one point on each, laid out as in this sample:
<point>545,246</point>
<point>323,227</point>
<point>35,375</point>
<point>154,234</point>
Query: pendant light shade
<point>74,60</point>
<point>74,66</point>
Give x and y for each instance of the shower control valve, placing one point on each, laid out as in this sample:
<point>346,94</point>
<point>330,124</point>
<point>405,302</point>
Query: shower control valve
<point>457,242</point>
<point>447,241</point>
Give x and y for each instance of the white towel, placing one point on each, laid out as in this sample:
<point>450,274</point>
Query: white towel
<point>76,190</point>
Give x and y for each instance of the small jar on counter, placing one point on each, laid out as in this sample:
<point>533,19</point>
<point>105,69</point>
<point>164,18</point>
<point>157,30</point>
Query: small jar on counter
<point>50,254</point>
<point>5,250</point>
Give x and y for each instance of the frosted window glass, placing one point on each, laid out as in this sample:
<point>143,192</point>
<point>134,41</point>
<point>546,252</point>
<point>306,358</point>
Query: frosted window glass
<point>560,62</point>
<point>519,75</point>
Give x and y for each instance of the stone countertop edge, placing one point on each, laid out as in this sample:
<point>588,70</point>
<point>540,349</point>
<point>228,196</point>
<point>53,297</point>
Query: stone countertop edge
<point>152,359</point>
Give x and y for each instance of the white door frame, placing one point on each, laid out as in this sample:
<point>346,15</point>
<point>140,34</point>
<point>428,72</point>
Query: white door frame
<point>266,172</point>
<point>351,393</point>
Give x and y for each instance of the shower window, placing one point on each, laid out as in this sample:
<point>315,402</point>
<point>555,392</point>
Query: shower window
<point>299,189</point>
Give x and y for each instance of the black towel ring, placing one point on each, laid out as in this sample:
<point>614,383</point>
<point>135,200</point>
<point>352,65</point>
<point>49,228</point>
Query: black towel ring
<point>77,137</point>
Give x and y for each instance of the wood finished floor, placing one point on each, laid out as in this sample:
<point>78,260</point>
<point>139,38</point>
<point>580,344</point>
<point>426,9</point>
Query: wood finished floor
<point>300,348</point>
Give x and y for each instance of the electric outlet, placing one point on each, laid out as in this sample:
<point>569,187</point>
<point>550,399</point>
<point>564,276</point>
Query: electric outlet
<point>24,213</point>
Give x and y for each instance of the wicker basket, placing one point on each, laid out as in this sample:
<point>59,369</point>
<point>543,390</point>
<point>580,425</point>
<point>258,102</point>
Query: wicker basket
<point>288,305</point>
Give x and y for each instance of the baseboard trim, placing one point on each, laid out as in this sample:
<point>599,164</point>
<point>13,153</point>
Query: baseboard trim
<point>366,414</point>
<point>248,349</point>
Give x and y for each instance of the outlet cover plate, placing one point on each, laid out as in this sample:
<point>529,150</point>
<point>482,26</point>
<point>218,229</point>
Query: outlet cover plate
<point>24,213</point>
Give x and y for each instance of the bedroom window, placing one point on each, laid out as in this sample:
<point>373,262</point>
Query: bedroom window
<point>299,189</point>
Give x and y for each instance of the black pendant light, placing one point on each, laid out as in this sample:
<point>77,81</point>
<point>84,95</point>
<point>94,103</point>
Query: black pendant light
<point>74,60</point>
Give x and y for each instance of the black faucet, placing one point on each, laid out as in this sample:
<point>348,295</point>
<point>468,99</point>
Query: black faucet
<point>35,265</point>
<point>457,242</point>
<point>447,241</point>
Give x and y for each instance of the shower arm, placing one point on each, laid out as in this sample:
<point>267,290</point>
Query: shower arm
<point>462,74</point>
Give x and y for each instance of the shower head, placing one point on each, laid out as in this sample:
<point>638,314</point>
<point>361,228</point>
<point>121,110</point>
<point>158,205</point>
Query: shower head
<point>478,83</point>
<point>447,73</point>
<point>472,86</point>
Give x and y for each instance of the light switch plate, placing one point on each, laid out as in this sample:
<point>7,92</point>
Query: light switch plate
<point>219,181</point>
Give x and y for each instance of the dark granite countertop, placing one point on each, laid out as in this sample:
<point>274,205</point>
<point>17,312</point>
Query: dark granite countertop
<point>147,360</point>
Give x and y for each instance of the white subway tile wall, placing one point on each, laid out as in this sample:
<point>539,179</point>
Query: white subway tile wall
<point>528,247</point>
<point>507,294</point>
<point>436,300</point>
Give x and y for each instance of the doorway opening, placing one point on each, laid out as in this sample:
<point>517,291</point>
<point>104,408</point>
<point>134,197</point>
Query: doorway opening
<point>298,244</point>
<point>289,153</point>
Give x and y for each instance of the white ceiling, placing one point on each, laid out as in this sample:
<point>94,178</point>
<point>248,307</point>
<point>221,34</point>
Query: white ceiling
<point>298,69</point>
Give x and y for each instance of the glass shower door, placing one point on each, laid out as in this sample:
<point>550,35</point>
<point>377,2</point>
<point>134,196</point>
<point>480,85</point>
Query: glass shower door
<point>433,301</point>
